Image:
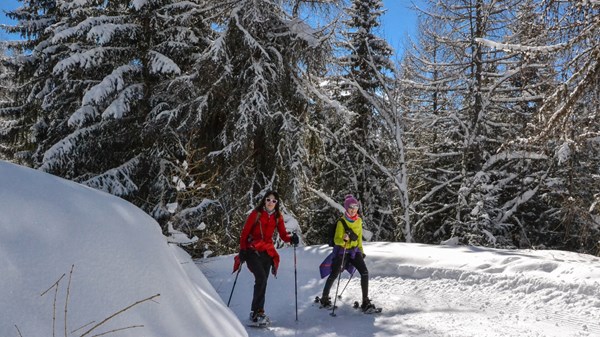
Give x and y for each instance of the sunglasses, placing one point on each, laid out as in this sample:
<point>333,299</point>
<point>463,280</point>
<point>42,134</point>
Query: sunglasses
<point>354,206</point>
<point>272,200</point>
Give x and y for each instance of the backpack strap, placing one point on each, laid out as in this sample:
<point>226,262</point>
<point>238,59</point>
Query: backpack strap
<point>254,225</point>
<point>348,229</point>
<point>262,235</point>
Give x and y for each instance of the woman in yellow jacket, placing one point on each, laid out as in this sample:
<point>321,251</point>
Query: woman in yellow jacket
<point>348,249</point>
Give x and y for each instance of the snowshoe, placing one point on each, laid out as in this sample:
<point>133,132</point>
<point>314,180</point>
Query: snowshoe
<point>367,307</point>
<point>259,319</point>
<point>324,303</point>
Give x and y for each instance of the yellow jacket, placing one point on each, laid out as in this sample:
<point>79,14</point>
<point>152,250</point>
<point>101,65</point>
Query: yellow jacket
<point>356,227</point>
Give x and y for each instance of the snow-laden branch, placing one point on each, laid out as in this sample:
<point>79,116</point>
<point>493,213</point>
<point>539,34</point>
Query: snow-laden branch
<point>87,60</point>
<point>509,155</point>
<point>248,37</point>
<point>205,203</point>
<point>109,85</point>
<point>511,206</point>
<point>330,201</point>
<point>519,47</point>
<point>98,95</point>
<point>121,106</point>
<point>434,190</point>
<point>299,29</point>
<point>116,181</point>
<point>161,64</point>
<point>104,33</point>
<point>82,115</point>
<point>334,104</point>
<point>587,75</point>
<point>54,155</point>
<point>84,26</point>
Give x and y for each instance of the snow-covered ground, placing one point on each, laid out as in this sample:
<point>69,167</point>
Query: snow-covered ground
<point>118,256</point>
<point>441,291</point>
<point>96,255</point>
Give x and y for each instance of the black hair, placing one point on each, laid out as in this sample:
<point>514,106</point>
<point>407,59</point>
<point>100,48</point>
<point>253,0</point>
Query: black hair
<point>261,204</point>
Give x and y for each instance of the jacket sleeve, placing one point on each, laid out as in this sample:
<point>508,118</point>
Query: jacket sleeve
<point>360,236</point>
<point>338,237</point>
<point>282,230</point>
<point>250,221</point>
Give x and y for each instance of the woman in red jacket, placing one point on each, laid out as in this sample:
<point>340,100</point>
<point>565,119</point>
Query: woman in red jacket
<point>258,250</point>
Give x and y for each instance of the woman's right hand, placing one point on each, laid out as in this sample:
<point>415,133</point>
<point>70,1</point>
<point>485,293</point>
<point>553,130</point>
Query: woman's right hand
<point>243,255</point>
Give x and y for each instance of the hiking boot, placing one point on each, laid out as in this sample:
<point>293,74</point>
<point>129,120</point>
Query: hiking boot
<point>367,305</point>
<point>259,317</point>
<point>326,302</point>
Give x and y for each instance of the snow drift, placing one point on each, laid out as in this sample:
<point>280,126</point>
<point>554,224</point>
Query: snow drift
<point>118,257</point>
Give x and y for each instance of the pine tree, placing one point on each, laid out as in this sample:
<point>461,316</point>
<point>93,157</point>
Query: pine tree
<point>31,62</point>
<point>6,98</point>
<point>111,75</point>
<point>256,103</point>
<point>368,150</point>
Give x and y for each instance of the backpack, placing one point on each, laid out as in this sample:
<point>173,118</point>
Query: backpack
<point>333,226</point>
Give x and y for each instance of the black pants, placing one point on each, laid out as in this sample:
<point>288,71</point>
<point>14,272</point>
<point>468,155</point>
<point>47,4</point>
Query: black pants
<point>260,265</point>
<point>336,268</point>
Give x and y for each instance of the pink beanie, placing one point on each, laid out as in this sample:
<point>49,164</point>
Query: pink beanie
<point>350,200</point>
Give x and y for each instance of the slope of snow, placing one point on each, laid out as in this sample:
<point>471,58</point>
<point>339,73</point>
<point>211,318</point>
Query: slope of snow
<point>433,291</point>
<point>117,255</point>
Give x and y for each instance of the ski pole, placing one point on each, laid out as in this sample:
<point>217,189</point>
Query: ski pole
<point>234,282</point>
<point>340,295</point>
<point>338,282</point>
<point>296,283</point>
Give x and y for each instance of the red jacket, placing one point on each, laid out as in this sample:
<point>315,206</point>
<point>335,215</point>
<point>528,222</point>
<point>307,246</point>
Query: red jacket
<point>259,235</point>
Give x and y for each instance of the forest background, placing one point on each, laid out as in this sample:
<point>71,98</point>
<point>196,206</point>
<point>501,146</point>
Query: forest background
<point>483,130</point>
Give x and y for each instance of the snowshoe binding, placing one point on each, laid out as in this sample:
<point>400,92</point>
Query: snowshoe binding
<point>324,302</point>
<point>367,307</point>
<point>259,319</point>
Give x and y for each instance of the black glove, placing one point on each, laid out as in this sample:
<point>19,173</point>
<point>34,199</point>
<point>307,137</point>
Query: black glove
<point>353,236</point>
<point>243,255</point>
<point>364,255</point>
<point>295,239</point>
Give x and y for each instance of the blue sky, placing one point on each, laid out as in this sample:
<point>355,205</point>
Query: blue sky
<point>396,23</point>
<point>6,5</point>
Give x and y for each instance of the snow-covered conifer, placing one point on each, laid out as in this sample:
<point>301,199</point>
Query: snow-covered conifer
<point>370,145</point>
<point>256,97</point>
<point>111,81</point>
<point>25,116</point>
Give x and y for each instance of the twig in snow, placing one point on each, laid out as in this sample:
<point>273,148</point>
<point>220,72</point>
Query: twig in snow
<point>55,286</point>
<point>118,313</point>
<point>19,331</point>
<point>115,330</point>
<point>67,296</point>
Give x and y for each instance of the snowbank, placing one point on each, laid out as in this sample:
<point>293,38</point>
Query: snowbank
<point>118,257</point>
